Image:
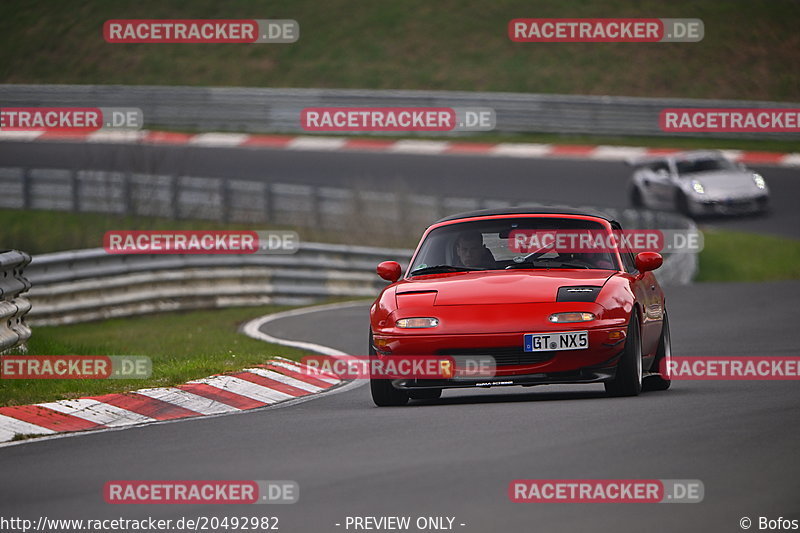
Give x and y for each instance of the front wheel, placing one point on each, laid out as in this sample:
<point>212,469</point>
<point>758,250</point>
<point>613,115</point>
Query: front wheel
<point>383,394</point>
<point>682,203</point>
<point>636,199</point>
<point>628,381</point>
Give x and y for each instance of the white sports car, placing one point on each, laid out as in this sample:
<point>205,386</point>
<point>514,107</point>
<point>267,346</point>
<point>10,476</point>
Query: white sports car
<point>697,183</point>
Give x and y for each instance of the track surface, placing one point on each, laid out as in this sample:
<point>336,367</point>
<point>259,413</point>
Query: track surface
<point>457,456</point>
<point>576,182</point>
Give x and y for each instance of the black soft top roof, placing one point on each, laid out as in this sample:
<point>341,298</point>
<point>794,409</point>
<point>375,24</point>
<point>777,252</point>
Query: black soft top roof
<point>528,210</point>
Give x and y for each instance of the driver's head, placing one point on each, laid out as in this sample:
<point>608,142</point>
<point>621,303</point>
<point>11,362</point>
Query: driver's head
<point>469,247</point>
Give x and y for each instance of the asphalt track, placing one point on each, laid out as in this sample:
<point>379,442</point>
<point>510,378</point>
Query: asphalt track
<point>569,181</point>
<point>456,457</point>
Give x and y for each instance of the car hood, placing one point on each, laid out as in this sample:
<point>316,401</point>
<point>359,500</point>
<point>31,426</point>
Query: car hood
<point>497,287</point>
<point>725,182</point>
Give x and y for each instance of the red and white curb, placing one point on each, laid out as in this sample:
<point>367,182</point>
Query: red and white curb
<point>278,381</point>
<point>424,147</point>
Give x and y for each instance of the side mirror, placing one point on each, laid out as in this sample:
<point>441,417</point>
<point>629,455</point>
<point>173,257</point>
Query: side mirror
<point>647,261</point>
<point>389,270</point>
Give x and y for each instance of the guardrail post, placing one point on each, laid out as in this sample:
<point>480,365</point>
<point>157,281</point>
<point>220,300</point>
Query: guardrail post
<point>315,216</point>
<point>268,207</point>
<point>438,207</point>
<point>27,201</point>
<point>73,183</point>
<point>403,213</point>
<point>127,194</point>
<point>225,207</point>
<point>174,194</point>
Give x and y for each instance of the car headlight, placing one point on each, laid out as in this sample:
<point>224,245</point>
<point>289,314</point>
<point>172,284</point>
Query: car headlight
<point>562,318</point>
<point>759,181</point>
<point>423,322</point>
<point>698,187</point>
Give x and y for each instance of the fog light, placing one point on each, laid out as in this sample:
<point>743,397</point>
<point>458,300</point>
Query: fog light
<point>562,318</point>
<point>380,344</point>
<point>415,323</point>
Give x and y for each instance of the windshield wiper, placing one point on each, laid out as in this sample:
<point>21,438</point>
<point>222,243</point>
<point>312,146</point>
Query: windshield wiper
<point>436,269</point>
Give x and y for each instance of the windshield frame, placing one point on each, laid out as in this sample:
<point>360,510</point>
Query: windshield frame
<point>726,165</point>
<point>601,222</point>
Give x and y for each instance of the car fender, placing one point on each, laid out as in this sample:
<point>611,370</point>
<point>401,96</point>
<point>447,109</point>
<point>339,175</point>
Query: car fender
<point>383,307</point>
<point>617,298</point>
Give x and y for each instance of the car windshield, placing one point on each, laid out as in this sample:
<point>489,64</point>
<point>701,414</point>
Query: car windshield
<point>710,164</point>
<point>510,243</point>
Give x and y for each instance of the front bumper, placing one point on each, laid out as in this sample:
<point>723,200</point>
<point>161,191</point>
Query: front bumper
<point>583,375</point>
<point>510,361</point>
<point>730,206</point>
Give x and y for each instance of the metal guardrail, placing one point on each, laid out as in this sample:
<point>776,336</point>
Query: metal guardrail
<point>83,285</point>
<point>362,214</point>
<point>13,328</point>
<point>278,110</point>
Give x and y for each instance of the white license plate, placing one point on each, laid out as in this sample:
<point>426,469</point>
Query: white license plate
<point>547,342</point>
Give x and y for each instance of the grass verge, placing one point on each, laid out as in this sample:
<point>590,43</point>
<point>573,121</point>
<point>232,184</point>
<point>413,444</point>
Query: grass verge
<point>38,231</point>
<point>740,256</point>
<point>182,346</point>
<point>746,53</point>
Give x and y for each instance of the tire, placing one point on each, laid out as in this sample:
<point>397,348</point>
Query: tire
<point>682,203</point>
<point>636,198</point>
<point>628,381</point>
<point>425,394</point>
<point>663,356</point>
<point>764,208</point>
<point>383,394</point>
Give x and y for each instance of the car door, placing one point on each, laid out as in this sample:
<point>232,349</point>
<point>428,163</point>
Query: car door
<point>650,297</point>
<point>653,311</point>
<point>662,184</point>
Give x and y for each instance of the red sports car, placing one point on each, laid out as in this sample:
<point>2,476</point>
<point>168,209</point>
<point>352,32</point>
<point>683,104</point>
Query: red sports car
<point>482,286</point>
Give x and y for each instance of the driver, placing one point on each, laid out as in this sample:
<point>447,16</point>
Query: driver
<point>472,252</point>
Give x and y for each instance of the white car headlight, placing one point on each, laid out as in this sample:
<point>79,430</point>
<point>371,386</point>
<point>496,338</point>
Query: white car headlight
<point>698,187</point>
<point>414,323</point>
<point>759,181</point>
